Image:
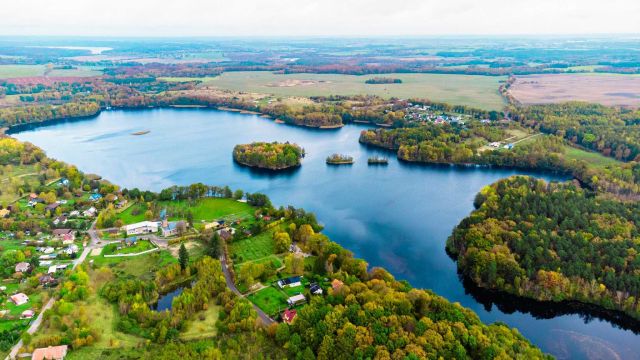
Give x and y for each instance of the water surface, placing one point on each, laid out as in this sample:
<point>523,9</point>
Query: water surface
<point>397,216</point>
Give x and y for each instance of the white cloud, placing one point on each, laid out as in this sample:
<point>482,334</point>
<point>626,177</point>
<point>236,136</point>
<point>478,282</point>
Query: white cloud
<point>324,17</point>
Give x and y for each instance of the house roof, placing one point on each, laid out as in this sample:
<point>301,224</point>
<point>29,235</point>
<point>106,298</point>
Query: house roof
<point>51,352</point>
<point>19,298</point>
<point>290,280</point>
<point>130,227</point>
<point>296,298</point>
<point>22,266</point>
<point>289,315</point>
<point>336,284</point>
<point>60,232</point>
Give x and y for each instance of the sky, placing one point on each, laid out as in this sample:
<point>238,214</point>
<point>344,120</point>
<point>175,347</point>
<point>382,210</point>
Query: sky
<point>317,17</point>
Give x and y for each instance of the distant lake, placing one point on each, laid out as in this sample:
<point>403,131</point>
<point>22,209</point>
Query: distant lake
<point>397,216</point>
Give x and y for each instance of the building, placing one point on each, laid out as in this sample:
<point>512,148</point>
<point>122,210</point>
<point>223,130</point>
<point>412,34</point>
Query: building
<point>90,212</point>
<point>212,225</point>
<point>47,280</point>
<point>226,233</point>
<point>74,213</point>
<point>60,220</point>
<point>171,228</point>
<point>143,227</point>
<point>22,267</point>
<point>4,213</point>
<point>64,234</point>
<point>52,207</point>
<point>50,353</point>
<point>95,197</point>
<point>19,299</point>
<point>315,289</point>
<point>289,282</point>
<point>289,315</point>
<point>27,314</point>
<point>71,249</point>
<point>296,300</point>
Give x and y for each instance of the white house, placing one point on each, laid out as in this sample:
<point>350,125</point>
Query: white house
<point>296,299</point>
<point>90,212</point>
<point>74,213</point>
<point>22,267</point>
<point>19,299</point>
<point>144,227</point>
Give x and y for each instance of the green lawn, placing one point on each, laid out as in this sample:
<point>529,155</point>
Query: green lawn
<point>595,159</point>
<point>203,325</point>
<point>127,216</point>
<point>13,71</point>
<point>252,248</point>
<point>471,90</point>
<point>139,246</point>
<point>143,266</point>
<point>270,300</point>
<point>209,209</point>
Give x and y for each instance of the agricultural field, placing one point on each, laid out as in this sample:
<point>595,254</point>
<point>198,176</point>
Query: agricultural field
<point>20,71</point>
<point>606,89</point>
<point>471,90</point>
<point>595,159</point>
<point>13,178</point>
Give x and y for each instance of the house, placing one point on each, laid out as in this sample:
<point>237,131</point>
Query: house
<point>336,285</point>
<point>27,314</point>
<point>48,257</point>
<point>296,300</point>
<point>64,234</point>
<point>95,197</point>
<point>19,299</point>
<point>47,280</point>
<point>51,207</point>
<point>289,315</point>
<point>22,267</point>
<point>33,196</point>
<point>90,212</point>
<point>74,213</point>
<point>170,228</point>
<point>289,282</point>
<point>64,182</point>
<point>35,201</point>
<point>45,263</point>
<point>212,225</point>
<point>60,220</point>
<point>50,353</point>
<point>495,144</point>
<point>130,241</point>
<point>315,289</point>
<point>143,227</point>
<point>226,233</point>
<point>48,250</point>
<point>52,269</point>
<point>4,213</point>
<point>71,249</point>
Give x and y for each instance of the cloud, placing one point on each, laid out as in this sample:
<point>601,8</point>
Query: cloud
<point>325,17</point>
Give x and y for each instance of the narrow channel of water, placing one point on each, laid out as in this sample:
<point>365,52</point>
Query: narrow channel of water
<point>397,216</point>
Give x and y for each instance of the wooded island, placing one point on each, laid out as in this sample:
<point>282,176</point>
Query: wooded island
<point>271,156</point>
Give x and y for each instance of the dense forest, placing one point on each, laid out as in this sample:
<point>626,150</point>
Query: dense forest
<point>614,132</point>
<point>552,242</point>
<point>272,156</point>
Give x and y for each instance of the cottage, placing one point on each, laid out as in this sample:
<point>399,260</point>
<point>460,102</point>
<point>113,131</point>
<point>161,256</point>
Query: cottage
<point>90,212</point>
<point>19,299</point>
<point>60,220</point>
<point>289,315</point>
<point>289,282</point>
<point>95,197</point>
<point>171,228</point>
<point>64,234</point>
<point>47,280</point>
<point>74,213</point>
<point>315,289</point>
<point>4,213</point>
<point>212,225</point>
<point>296,300</point>
<point>50,353</point>
<point>27,314</point>
<point>144,227</point>
<point>48,250</point>
<point>51,207</point>
<point>71,249</point>
<point>226,233</point>
<point>22,267</point>
<point>64,182</point>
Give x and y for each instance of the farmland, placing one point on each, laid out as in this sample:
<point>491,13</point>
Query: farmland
<point>19,71</point>
<point>606,89</point>
<point>476,91</point>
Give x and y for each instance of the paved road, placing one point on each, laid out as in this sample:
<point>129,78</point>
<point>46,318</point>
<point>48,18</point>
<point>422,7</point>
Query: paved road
<point>230,284</point>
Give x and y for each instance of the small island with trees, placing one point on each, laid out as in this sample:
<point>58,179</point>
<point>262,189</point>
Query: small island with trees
<point>270,156</point>
<point>378,160</point>
<point>383,80</point>
<point>339,159</point>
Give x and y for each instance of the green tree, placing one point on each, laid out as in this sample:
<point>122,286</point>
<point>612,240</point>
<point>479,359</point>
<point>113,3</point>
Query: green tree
<point>183,257</point>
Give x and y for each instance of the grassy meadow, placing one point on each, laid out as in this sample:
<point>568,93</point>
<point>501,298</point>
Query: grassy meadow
<point>477,91</point>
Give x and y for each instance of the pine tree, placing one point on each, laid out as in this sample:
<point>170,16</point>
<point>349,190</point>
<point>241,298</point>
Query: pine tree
<point>183,257</point>
<point>213,249</point>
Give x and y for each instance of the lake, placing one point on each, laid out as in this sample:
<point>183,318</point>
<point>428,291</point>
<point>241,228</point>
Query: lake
<point>397,216</point>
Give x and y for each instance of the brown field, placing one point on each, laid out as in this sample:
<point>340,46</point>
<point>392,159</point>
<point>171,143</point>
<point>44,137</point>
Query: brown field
<point>606,89</point>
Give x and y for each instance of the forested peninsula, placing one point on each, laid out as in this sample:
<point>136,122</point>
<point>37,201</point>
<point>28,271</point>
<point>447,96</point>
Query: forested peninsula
<point>271,156</point>
<point>552,242</point>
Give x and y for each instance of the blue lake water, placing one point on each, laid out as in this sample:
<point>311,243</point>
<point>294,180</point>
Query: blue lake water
<point>397,216</point>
